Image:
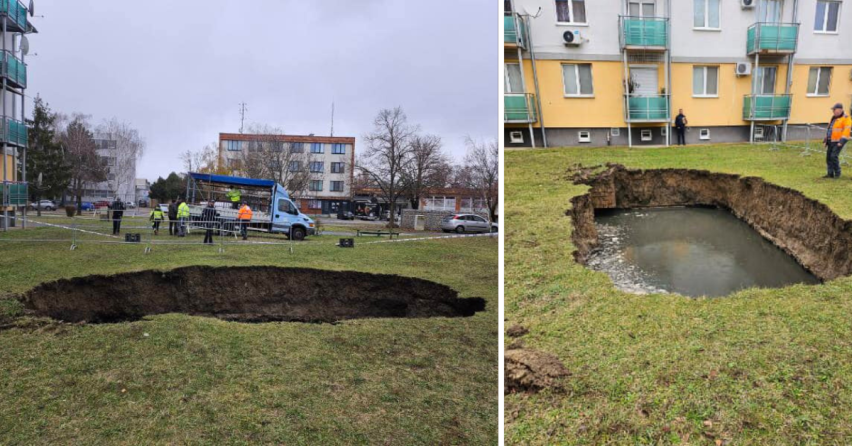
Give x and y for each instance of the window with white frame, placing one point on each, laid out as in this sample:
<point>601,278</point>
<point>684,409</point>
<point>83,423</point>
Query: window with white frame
<point>642,8</point>
<point>571,11</point>
<point>317,166</point>
<point>513,83</point>
<point>646,135</point>
<point>297,147</point>
<point>338,149</point>
<point>577,79</point>
<point>707,14</point>
<point>766,80</point>
<point>337,168</point>
<point>315,186</point>
<point>233,146</point>
<point>440,204</point>
<point>819,81</point>
<point>317,147</point>
<point>471,204</point>
<point>314,204</point>
<point>705,82</point>
<point>295,166</point>
<point>337,186</point>
<point>827,14</point>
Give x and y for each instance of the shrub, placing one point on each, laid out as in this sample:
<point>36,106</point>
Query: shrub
<point>70,210</point>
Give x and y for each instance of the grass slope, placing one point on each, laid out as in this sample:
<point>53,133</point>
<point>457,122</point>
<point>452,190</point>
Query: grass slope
<point>205,381</point>
<point>765,367</point>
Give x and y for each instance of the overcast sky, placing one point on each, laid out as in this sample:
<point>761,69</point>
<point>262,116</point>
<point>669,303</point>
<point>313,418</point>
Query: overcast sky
<point>178,70</point>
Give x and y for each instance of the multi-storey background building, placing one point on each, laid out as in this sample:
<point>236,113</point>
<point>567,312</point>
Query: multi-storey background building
<point>617,71</point>
<point>321,165</point>
<point>121,174</point>
<point>13,83</point>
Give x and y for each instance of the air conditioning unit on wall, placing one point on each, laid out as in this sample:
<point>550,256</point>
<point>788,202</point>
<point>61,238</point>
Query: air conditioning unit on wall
<point>747,4</point>
<point>573,38</point>
<point>743,68</point>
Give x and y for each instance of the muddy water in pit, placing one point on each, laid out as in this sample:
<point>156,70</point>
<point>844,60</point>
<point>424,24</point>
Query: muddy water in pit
<point>689,251</point>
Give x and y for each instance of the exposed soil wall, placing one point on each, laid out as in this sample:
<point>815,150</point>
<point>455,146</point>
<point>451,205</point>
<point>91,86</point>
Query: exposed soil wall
<point>806,229</point>
<point>247,294</point>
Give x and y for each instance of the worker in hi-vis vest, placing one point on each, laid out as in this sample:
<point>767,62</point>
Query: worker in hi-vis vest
<point>183,216</point>
<point>235,196</point>
<point>244,217</point>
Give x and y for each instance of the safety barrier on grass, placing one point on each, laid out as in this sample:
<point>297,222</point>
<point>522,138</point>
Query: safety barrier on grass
<point>813,143</point>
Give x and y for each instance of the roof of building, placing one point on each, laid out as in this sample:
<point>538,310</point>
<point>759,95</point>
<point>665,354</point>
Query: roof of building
<point>286,138</point>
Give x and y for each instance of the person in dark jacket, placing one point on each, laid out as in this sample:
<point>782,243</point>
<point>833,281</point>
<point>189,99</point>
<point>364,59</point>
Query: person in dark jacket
<point>117,214</point>
<point>208,219</point>
<point>680,127</point>
<point>173,229</point>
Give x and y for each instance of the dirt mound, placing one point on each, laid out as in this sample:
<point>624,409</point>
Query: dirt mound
<point>531,371</point>
<point>517,331</point>
<point>246,294</point>
<point>806,229</point>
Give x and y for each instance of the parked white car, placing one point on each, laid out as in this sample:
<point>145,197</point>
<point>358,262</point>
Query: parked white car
<point>46,205</point>
<point>461,223</point>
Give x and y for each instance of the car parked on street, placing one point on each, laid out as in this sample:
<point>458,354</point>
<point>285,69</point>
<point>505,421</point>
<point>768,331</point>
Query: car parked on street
<point>101,204</point>
<point>129,205</point>
<point>345,215</point>
<point>46,205</point>
<point>461,223</point>
<point>87,206</point>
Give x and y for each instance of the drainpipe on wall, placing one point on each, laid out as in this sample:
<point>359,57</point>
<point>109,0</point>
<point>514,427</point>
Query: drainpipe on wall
<point>535,79</point>
<point>790,60</point>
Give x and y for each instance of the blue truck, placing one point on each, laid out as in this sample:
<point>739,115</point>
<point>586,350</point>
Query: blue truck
<point>272,210</point>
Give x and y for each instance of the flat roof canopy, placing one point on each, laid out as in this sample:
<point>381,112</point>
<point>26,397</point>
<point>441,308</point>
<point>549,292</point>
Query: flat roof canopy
<point>231,181</point>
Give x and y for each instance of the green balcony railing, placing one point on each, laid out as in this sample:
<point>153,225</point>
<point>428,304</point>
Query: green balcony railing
<point>16,196</point>
<point>767,107</point>
<point>16,13</point>
<point>14,70</point>
<point>514,31</point>
<point>14,133</point>
<point>519,108</point>
<point>651,108</point>
<point>644,32</point>
<point>772,38</point>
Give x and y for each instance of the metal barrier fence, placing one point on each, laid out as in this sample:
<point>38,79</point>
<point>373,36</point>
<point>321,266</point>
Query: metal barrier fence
<point>812,143</point>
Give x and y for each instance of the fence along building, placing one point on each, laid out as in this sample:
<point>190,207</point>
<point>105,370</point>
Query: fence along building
<point>330,165</point>
<point>617,71</point>
<point>13,130</point>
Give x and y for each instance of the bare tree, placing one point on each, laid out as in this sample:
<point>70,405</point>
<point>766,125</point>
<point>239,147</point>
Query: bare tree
<point>86,166</point>
<point>205,160</point>
<point>290,164</point>
<point>389,149</point>
<point>482,172</point>
<point>129,148</point>
<point>427,168</point>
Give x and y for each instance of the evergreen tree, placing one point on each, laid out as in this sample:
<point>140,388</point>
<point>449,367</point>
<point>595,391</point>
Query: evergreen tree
<point>47,170</point>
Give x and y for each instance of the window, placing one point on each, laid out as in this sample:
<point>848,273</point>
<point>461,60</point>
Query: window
<point>295,166</point>
<point>571,11</point>
<point>827,13</point>
<point>769,11</point>
<point>514,83</point>
<point>705,81</point>
<point>316,147</point>
<point>337,168</point>
<point>440,204</point>
<point>766,80</point>
<point>819,80</point>
<point>646,135</point>
<point>615,131</point>
<point>317,166</point>
<point>337,186</point>
<point>516,137</point>
<point>297,147</point>
<point>507,7</point>
<point>664,131</point>
<point>314,204</point>
<point>584,136</point>
<point>315,186</point>
<point>704,134</point>
<point>577,79</point>
<point>641,8</point>
<point>286,206</point>
<point>233,146</point>
<point>706,14</point>
<point>338,149</point>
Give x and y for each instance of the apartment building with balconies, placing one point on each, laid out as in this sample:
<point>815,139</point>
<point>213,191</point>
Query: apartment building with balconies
<point>617,71</point>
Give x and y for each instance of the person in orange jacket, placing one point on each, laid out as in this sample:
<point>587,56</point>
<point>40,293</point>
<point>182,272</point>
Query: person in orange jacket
<point>244,217</point>
<point>837,134</point>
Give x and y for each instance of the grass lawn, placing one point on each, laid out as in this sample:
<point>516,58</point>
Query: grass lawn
<point>766,367</point>
<point>180,379</point>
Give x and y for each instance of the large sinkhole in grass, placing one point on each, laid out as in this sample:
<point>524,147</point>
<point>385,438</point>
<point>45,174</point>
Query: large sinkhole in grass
<point>693,251</point>
<point>247,294</point>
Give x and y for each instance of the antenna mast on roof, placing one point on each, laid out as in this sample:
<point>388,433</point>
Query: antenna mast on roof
<point>332,118</point>
<point>242,116</point>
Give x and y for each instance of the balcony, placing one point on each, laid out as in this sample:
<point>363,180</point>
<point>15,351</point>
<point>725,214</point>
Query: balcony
<point>651,108</point>
<point>14,133</point>
<point>514,31</point>
<point>644,33</point>
<point>767,107</point>
<point>15,14</point>
<point>17,195</point>
<point>14,71</point>
<point>519,108</point>
<point>772,38</point>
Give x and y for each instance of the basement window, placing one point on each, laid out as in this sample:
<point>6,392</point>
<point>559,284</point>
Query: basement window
<point>516,137</point>
<point>584,136</point>
<point>615,132</point>
<point>647,135</point>
<point>664,131</point>
<point>758,133</point>
<point>704,134</point>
